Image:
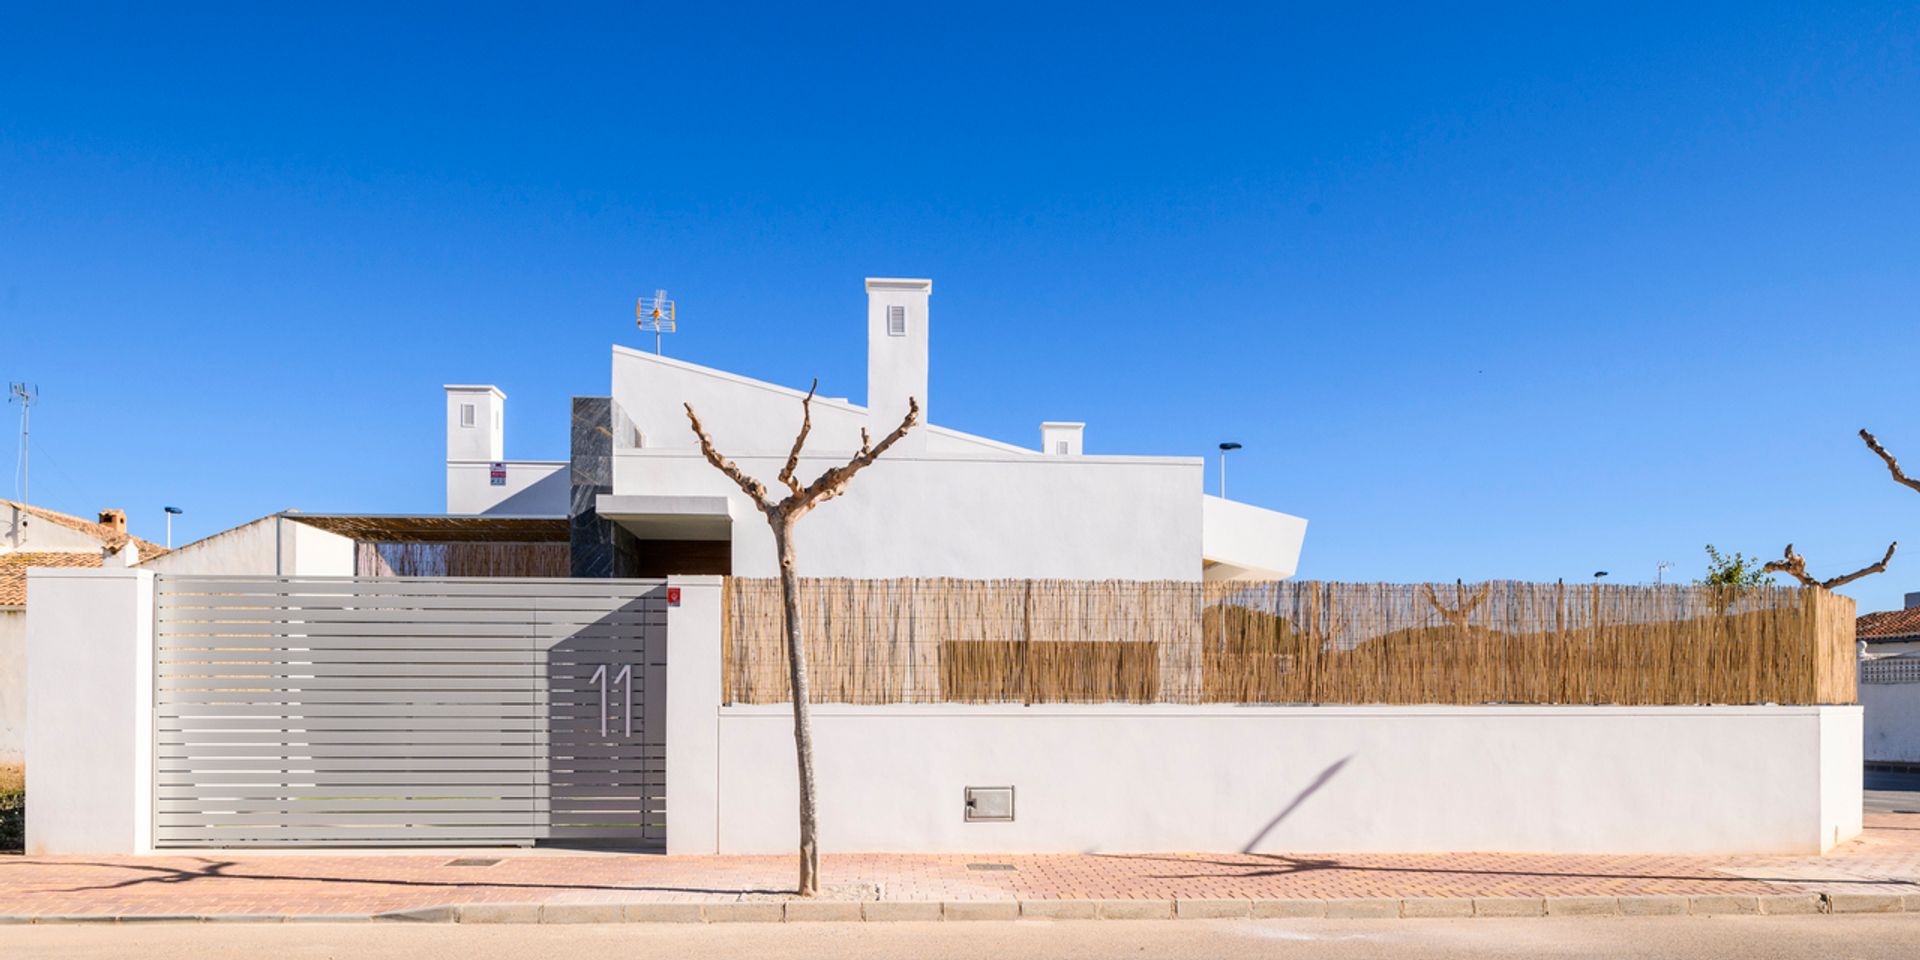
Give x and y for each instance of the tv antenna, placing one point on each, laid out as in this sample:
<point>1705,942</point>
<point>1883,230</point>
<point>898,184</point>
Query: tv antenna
<point>25,393</point>
<point>655,314</point>
<point>1660,569</point>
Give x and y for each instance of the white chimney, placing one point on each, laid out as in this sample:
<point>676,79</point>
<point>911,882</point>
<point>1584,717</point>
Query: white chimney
<point>125,555</point>
<point>475,431</point>
<point>1061,439</point>
<point>897,356</point>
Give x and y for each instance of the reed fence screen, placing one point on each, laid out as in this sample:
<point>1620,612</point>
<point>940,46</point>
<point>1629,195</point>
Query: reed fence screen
<point>1290,642</point>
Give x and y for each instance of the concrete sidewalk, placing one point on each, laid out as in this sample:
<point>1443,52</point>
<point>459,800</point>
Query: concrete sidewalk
<point>1878,872</point>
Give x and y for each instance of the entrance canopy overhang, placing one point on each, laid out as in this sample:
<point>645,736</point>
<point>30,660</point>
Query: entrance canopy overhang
<point>669,518</point>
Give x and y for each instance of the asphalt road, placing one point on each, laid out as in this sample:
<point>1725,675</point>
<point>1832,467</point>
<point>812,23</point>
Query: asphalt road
<point>1683,938</point>
<point>1892,792</point>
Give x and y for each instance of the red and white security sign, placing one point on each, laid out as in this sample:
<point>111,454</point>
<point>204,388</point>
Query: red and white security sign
<point>673,596</point>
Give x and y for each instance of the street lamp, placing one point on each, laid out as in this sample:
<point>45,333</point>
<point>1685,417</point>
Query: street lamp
<point>1597,574</point>
<point>1229,445</point>
<point>171,513</point>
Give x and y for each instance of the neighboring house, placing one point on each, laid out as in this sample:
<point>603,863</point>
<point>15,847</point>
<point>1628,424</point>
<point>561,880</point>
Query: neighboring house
<point>1890,683</point>
<point>642,501</point>
<point>33,536</point>
<point>1890,633</point>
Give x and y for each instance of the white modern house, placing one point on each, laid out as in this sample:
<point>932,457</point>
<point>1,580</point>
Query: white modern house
<point>942,503</point>
<point>556,659</point>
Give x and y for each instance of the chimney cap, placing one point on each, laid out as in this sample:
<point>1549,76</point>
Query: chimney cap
<point>898,283</point>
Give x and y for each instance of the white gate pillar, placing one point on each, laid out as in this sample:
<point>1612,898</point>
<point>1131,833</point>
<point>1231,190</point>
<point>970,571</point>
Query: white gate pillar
<point>693,715</point>
<point>89,711</point>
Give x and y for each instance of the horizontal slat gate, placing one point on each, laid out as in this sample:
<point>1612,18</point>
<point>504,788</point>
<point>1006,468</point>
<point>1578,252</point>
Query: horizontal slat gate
<point>404,710</point>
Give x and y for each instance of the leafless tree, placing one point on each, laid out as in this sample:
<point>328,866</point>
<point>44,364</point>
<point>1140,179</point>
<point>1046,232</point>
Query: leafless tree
<point>1893,466</point>
<point>1795,566</point>
<point>782,516</point>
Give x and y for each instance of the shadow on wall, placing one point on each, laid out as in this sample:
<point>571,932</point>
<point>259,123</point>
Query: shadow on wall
<point>546,497</point>
<point>1300,798</point>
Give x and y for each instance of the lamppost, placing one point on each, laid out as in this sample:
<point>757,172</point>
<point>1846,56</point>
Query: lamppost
<point>1229,445</point>
<point>171,513</point>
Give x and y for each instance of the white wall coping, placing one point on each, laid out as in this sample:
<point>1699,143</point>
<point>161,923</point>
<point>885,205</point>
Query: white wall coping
<point>474,388</point>
<point>1025,457</point>
<point>85,573</point>
<point>510,463</point>
<point>1538,711</point>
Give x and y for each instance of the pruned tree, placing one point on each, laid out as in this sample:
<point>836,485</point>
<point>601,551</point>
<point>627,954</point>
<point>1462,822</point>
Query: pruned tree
<point>781,516</point>
<point>1893,466</point>
<point>1795,566</point>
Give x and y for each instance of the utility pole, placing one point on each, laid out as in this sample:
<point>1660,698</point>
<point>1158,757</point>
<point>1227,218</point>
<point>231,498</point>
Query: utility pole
<point>25,393</point>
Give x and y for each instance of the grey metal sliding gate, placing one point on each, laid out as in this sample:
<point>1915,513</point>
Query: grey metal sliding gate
<point>408,710</point>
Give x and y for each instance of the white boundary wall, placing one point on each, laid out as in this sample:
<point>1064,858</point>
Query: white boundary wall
<point>1892,721</point>
<point>1087,778</point>
<point>1278,779</point>
<point>89,711</point>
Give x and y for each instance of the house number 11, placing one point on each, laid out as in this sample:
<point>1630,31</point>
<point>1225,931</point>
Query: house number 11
<point>623,680</point>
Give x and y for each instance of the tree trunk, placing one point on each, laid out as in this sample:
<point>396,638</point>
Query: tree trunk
<point>802,718</point>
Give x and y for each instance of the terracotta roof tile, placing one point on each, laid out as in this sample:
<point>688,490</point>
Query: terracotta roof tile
<point>107,535</point>
<point>13,571</point>
<point>1889,625</point>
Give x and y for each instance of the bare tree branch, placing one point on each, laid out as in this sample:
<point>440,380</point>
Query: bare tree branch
<point>753,488</point>
<point>1795,566</point>
<point>834,482</point>
<point>1893,466</point>
<point>799,440</point>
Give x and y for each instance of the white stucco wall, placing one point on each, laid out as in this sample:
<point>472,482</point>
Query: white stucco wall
<point>89,711</point>
<point>267,546</point>
<point>748,415</point>
<point>13,685</point>
<point>1092,518</point>
<point>1892,721</point>
<point>960,506</point>
<point>534,488</point>
<point>1242,542</point>
<point>693,738</point>
<point>1299,779</point>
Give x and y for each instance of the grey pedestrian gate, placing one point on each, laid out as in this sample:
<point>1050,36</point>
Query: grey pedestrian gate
<point>408,710</point>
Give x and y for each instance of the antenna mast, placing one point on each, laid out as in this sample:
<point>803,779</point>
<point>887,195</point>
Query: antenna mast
<point>25,393</point>
<point>655,314</point>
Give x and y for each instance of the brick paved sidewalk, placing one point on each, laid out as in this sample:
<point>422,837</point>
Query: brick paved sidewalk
<point>1886,860</point>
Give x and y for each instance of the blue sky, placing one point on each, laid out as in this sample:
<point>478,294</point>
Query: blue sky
<point>1491,292</point>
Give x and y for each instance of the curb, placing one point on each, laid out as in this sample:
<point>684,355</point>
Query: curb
<point>885,911</point>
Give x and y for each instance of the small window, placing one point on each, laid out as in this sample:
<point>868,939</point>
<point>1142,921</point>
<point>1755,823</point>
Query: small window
<point>1060,447</point>
<point>466,414</point>
<point>896,321</point>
